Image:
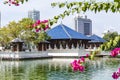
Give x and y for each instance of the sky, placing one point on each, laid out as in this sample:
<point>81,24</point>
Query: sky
<point>101,22</point>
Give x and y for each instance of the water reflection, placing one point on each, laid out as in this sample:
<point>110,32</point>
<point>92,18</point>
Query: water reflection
<point>57,69</point>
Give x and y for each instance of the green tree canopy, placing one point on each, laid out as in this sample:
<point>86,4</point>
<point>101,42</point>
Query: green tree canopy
<point>22,29</point>
<point>13,30</point>
<point>110,35</point>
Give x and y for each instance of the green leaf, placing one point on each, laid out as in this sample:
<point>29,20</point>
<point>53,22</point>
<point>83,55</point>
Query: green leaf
<point>53,4</point>
<point>80,3</point>
<point>113,8</point>
<point>116,4</point>
<point>22,1</point>
<point>71,4</point>
<point>116,0</point>
<point>84,9</point>
<point>73,11</point>
<point>56,17</point>
<point>68,6</point>
<point>61,5</point>
<point>96,10</point>
<point>62,15</point>
<point>107,7</point>
<point>51,23</point>
<point>92,7</point>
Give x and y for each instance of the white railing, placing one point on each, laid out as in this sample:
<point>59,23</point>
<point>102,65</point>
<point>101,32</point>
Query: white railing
<point>67,52</point>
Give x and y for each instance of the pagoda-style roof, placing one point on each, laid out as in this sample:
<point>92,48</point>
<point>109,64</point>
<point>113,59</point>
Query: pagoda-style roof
<point>62,31</point>
<point>96,39</point>
<point>17,40</point>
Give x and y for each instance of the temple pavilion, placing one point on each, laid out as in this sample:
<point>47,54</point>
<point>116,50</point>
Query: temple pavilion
<point>63,37</point>
<point>17,44</point>
<point>96,41</point>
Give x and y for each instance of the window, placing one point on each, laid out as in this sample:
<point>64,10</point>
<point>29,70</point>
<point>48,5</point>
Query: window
<point>87,28</point>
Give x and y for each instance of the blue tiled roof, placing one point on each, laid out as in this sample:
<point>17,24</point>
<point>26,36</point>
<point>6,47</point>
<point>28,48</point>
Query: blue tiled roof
<point>96,38</point>
<point>63,32</point>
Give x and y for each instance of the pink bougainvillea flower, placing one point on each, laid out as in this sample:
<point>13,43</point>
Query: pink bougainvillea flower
<point>16,4</point>
<point>34,25</point>
<point>38,22</point>
<point>12,2</point>
<point>115,75</point>
<point>114,53</point>
<point>41,24</point>
<point>47,26</point>
<point>37,30</point>
<point>82,59</point>
<point>77,66</point>
<point>119,70</point>
<point>81,68</point>
<point>87,55</point>
<point>79,61</point>
<point>45,21</point>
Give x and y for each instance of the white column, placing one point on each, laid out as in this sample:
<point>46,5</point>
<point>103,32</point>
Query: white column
<point>55,47</point>
<point>83,46</point>
<point>66,46</point>
<point>78,45</point>
<point>60,46</point>
<point>49,47</point>
<point>73,46</point>
<point>18,47</point>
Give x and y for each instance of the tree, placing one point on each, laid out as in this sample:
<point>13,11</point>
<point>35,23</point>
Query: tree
<point>4,38</point>
<point>13,30</point>
<point>110,35</point>
<point>26,30</point>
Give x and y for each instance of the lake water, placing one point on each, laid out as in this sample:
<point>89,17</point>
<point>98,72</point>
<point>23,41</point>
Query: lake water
<point>57,69</point>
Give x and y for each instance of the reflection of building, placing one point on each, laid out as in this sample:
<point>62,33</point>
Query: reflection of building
<point>34,14</point>
<point>83,25</point>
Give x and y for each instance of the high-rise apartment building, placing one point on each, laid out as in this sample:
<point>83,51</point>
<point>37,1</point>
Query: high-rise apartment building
<point>34,14</point>
<point>83,25</point>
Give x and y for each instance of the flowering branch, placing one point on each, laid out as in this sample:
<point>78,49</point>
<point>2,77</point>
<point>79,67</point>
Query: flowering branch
<point>78,64</point>
<point>114,53</point>
<point>14,2</point>
<point>40,25</point>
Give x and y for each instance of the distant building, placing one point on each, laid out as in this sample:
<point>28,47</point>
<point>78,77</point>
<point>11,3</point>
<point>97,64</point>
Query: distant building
<point>83,25</point>
<point>34,14</point>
